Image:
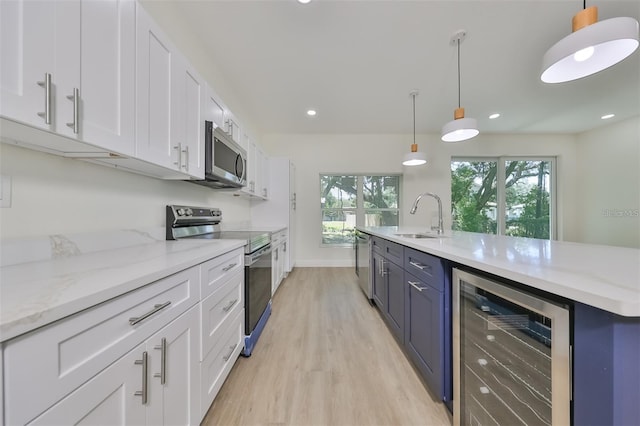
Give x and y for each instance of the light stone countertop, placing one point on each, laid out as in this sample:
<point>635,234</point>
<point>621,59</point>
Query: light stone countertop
<point>606,277</point>
<point>34,294</point>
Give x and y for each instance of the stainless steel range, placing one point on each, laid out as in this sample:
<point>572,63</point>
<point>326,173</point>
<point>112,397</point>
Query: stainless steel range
<point>188,222</point>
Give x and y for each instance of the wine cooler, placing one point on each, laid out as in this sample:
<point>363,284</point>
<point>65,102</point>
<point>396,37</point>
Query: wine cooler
<point>512,355</point>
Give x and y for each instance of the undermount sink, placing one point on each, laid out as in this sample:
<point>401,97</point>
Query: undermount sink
<point>420,235</point>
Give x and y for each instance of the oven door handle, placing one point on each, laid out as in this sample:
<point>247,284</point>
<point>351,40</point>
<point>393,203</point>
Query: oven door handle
<point>252,258</point>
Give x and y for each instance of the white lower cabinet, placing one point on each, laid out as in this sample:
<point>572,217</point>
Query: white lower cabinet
<point>135,359</point>
<point>222,322</point>
<point>216,366</point>
<point>173,374</point>
<point>155,384</point>
<point>278,259</point>
<point>109,398</point>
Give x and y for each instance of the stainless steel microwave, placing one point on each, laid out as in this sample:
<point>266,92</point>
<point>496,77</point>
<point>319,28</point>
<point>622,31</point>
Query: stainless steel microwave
<point>225,162</point>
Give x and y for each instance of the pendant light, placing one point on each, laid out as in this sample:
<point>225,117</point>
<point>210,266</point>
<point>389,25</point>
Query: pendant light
<point>461,128</point>
<point>415,157</point>
<point>592,46</point>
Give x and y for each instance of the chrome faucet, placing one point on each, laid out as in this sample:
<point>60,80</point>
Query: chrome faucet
<point>431,194</point>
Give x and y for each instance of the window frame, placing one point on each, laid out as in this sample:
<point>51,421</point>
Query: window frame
<point>501,190</point>
<point>359,209</point>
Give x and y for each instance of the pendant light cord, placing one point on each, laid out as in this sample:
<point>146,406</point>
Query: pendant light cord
<point>414,118</point>
<point>459,72</point>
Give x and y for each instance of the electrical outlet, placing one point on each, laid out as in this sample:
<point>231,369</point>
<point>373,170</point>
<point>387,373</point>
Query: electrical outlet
<point>5,191</point>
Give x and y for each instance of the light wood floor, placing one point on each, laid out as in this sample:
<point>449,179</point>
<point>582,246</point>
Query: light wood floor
<point>324,358</point>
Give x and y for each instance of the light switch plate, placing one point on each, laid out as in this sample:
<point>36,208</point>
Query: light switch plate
<point>5,191</point>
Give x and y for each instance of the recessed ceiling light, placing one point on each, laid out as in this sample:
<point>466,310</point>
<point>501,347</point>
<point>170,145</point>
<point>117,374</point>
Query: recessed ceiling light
<point>494,116</point>
<point>608,116</point>
<point>304,1</point>
<point>311,112</point>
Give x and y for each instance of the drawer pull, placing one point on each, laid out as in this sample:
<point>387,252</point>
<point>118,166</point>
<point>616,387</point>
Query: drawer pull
<point>156,308</point>
<point>225,269</point>
<point>144,362</point>
<point>163,361</point>
<point>417,265</point>
<point>416,286</point>
<point>231,349</point>
<point>230,305</point>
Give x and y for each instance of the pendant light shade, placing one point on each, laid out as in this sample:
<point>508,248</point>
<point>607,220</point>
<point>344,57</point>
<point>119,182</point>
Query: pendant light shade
<point>591,47</point>
<point>461,128</point>
<point>414,157</point>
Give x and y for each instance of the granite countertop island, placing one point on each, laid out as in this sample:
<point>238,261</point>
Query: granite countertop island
<point>605,277</point>
<point>36,293</point>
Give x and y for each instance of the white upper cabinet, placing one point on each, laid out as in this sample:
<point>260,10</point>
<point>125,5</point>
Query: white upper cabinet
<point>257,170</point>
<point>107,78</point>
<point>40,62</point>
<point>68,67</point>
<point>153,93</point>
<point>214,111</point>
<point>170,103</point>
<point>187,114</point>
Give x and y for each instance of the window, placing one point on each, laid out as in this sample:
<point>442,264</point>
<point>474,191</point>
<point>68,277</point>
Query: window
<point>347,201</point>
<point>508,196</point>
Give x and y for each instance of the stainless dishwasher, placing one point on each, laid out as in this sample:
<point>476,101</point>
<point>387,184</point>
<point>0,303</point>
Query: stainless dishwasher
<point>363,260</point>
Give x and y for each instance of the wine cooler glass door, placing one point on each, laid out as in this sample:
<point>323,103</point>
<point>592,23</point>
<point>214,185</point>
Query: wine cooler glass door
<point>511,356</point>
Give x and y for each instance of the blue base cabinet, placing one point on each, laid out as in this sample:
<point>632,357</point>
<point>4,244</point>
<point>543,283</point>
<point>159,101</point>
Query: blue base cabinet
<point>388,284</point>
<point>423,330</point>
<point>412,291</point>
<point>606,368</point>
<point>428,320</point>
<point>395,310</point>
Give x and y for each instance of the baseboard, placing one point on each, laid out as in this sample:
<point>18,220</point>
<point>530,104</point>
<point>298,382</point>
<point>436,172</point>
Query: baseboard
<point>325,263</point>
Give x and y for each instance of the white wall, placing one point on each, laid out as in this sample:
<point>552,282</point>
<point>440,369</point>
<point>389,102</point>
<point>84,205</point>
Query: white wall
<point>316,154</point>
<point>609,184</point>
<point>56,195</point>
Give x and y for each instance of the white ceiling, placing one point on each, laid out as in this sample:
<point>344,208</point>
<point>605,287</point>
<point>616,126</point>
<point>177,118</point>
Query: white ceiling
<point>355,62</point>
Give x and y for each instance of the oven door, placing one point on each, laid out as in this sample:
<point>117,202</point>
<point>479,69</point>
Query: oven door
<point>257,286</point>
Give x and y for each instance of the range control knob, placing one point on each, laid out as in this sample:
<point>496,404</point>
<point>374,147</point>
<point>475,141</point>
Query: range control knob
<point>189,212</point>
<point>180,212</point>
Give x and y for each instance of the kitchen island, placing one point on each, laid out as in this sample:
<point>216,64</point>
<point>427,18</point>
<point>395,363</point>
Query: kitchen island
<point>601,284</point>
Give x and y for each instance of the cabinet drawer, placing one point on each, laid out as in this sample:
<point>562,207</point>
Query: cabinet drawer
<point>279,238</point>
<point>377,245</point>
<point>425,267</point>
<point>215,272</point>
<point>223,304</point>
<point>43,366</point>
<point>216,366</point>
<point>394,252</point>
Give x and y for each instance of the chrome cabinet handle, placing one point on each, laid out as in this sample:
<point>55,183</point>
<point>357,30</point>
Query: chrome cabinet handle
<point>231,349</point>
<point>75,98</point>
<point>417,265</point>
<point>276,254</point>
<point>383,271</point>
<point>145,363</point>
<point>227,268</point>
<point>156,308</point>
<point>415,285</point>
<point>284,248</point>
<point>186,158</point>
<point>47,98</point>
<point>163,361</point>
<point>178,148</point>
<point>230,305</point>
